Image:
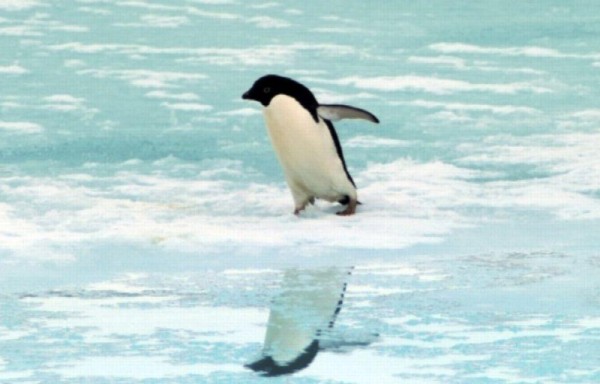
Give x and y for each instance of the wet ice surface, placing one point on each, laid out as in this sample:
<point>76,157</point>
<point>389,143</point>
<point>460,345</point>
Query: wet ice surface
<point>145,228</point>
<point>516,317</point>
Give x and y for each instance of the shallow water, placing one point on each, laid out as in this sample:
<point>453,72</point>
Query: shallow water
<point>141,203</point>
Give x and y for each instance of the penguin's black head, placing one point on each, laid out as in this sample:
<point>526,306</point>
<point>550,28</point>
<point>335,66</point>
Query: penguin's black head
<point>267,87</point>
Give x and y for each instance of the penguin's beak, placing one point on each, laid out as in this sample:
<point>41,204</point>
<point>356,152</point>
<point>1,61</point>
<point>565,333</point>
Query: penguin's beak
<point>246,96</point>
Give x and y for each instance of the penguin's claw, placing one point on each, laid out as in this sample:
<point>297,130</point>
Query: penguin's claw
<point>345,212</point>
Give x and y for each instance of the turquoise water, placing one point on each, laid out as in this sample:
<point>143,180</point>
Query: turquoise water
<point>145,225</point>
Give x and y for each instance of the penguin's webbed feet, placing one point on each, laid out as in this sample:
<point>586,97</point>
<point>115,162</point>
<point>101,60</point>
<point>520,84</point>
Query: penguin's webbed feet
<point>301,208</point>
<point>350,209</point>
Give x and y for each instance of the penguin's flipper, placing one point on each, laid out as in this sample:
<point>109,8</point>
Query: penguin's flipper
<point>300,315</point>
<point>335,112</point>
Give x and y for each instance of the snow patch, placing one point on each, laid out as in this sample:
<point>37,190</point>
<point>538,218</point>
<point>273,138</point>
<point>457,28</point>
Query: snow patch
<point>21,127</point>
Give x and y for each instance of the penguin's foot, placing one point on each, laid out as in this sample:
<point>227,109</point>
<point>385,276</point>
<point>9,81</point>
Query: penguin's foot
<point>299,209</point>
<point>350,209</point>
<point>303,206</point>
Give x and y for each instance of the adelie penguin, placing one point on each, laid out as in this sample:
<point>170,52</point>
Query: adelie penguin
<point>305,141</point>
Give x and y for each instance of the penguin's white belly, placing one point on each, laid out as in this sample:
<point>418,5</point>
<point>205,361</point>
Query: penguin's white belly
<point>306,151</point>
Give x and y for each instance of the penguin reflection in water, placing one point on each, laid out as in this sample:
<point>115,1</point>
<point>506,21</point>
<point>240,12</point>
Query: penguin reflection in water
<point>305,141</point>
<point>301,322</point>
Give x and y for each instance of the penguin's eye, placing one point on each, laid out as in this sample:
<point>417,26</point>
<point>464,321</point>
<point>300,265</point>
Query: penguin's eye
<point>267,89</point>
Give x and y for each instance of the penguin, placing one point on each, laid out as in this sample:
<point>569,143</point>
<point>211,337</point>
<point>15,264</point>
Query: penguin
<point>305,141</point>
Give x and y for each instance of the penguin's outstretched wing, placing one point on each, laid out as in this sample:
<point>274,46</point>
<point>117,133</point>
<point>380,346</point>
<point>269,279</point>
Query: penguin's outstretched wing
<point>306,308</point>
<point>335,112</point>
